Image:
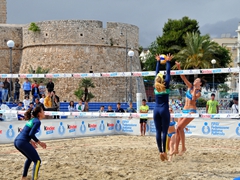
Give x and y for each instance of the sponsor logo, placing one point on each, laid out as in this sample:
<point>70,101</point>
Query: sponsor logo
<point>112,114</point>
<point>238,130</point>
<point>205,128</point>
<point>10,132</point>
<point>61,129</point>
<point>215,116</point>
<point>118,126</point>
<point>205,115</point>
<point>177,115</point>
<point>102,126</point>
<point>216,71</point>
<point>145,73</point>
<point>172,73</point>
<point>105,75</point>
<point>49,75</point>
<point>110,126</point>
<point>76,75</point>
<point>56,75</point>
<point>49,129</point>
<point>92,127</point>
<point>72,128</point>
<point>206,71</point>
<point>82,128</point>
<point>23,76</point>
<point>179,72</point>
<point>20,129</point>
<point>3,75</point>
<point>83,114</point>
<point>113,74</point>
<point>84,75</point>
<point>135,115</point>
<point>137,74</point>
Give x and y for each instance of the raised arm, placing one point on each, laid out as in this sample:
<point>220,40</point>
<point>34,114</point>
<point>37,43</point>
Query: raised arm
<point>168,76</point>
<point>158,64</point>
<point>168,68</point>
<point>189,85</point>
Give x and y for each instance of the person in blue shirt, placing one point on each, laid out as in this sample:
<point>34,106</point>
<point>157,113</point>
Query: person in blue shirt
<point>26,141</point>
<point>130,109</point>
<point>27,87</point>
<point>161,114</point>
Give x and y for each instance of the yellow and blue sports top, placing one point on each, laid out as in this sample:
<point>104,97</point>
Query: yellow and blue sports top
<point>30,129</point>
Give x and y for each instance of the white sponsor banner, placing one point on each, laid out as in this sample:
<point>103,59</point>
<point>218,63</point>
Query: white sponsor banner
<point>214,128</point>
<point>127,126</point>
<point>65,129</point>
<point>69,128</point>
<point>122,74</point>
<point>151,129</point>
<point>9,131</point>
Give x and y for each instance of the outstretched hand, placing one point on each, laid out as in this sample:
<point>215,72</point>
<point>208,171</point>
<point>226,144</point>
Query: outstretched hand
<point>169,57</point>
<point>157,57</point>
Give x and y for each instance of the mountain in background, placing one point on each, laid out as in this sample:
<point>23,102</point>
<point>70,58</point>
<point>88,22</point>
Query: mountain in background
<point>221,29</point>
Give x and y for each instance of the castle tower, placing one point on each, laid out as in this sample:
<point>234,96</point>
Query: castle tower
<point>3,11</point>
<point>80,46</point>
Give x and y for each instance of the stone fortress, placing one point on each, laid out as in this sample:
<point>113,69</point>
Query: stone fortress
<point>74,46</point>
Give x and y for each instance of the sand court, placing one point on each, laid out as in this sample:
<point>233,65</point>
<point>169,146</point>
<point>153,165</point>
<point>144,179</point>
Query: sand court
<point>127,158</point>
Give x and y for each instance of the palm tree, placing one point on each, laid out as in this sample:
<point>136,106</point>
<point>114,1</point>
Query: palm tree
<point>39,70</point>
<point>198,53</point>
<point>83,90</point>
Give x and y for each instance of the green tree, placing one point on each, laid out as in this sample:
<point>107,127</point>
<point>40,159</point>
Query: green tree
<point>199,52</point>
<point>173,34</point>
<point>173,40</point>
<point>39,70</point>
<point>83,90</point>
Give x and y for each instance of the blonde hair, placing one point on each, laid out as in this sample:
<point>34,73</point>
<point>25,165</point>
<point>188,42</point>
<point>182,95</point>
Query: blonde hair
<point>160,84</point>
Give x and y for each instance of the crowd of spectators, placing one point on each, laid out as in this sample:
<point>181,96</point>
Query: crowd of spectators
<point>35,94</point>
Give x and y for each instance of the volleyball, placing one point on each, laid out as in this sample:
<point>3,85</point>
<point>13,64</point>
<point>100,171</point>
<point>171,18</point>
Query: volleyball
<point>163,59</point>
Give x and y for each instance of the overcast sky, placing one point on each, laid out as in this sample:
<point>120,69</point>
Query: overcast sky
<point>215,17</point>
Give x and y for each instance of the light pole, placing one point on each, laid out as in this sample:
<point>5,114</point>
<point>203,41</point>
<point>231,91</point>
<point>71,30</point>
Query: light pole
<point>131,54</point>
<point>126,57</point>
<point>10,44</point>
<point>213,61</point>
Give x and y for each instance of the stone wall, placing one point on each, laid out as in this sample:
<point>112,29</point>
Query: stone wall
<point>10,32</point>
<point>3,11</point>
<point>76,46</point>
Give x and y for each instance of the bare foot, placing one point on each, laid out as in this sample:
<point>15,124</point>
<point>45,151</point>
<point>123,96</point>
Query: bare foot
<point>162,157</point>
<point>170,158</point>
<point>165,156</point>
<point>25,178</point>
<point>174,152</point>
<point>182,152</point>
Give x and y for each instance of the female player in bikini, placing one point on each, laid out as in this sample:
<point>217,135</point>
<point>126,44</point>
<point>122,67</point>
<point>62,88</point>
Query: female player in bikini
<point>192,94</point>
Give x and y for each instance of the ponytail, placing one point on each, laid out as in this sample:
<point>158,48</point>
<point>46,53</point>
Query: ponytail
<point>160,84</point>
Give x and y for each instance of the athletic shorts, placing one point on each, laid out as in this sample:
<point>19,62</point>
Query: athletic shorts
<point>143,120</point>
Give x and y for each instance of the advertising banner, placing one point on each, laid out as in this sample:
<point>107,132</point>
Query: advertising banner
<point>73,128</point>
